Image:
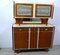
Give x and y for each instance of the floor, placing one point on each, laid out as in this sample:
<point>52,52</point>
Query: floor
<point>54,51</point>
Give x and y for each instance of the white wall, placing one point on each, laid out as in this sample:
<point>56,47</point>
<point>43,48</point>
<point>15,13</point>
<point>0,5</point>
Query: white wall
<point>6,20</point>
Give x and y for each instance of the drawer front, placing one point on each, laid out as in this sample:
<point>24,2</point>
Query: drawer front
<point>46,29</point>
<point>21,29</point>
<point>33,29</point>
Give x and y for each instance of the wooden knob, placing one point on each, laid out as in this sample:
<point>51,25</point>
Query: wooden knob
<point>20,29</point>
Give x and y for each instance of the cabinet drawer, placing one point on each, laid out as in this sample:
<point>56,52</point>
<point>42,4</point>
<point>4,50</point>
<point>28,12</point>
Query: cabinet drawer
<point>33,29</point>
<point>21,29</point>
<point>46,29</point>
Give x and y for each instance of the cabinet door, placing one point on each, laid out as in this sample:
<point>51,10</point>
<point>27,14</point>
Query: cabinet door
<point>20,38</point>
<point>33,37</point>
<point>45,37</point>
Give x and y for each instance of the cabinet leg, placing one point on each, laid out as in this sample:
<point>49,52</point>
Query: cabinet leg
<point>46,50</point>
<point>17,51</point>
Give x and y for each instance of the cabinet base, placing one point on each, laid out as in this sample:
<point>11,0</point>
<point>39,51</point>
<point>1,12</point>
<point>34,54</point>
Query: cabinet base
<point>17,51</point>
<point>31,50</point>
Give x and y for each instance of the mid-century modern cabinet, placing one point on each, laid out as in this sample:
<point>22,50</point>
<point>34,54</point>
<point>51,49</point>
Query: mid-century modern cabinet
<point>32,35</point>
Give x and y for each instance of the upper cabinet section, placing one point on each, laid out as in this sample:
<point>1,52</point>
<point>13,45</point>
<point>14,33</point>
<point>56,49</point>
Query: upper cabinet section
<point>27,10</point>
<point>43,10</point>
<point>23,10</point>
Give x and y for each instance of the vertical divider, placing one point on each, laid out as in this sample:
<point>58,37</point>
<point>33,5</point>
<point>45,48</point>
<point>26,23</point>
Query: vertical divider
<point>29,40</point>
<point>38,38</point>
<point>13,38</point>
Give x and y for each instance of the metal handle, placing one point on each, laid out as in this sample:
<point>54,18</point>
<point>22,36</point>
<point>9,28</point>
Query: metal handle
<point>46,29</point>
<point>20,29</point>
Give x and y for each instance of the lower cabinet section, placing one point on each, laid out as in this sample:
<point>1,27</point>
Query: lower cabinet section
<point>32,38</point>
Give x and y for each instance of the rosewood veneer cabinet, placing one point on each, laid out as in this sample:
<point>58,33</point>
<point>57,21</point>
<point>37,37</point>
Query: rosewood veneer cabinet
<point>32,36</point>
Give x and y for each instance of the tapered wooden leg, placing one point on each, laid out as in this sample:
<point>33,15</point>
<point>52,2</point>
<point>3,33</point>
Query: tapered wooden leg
<point>46,50</point>
<point>17,51</point>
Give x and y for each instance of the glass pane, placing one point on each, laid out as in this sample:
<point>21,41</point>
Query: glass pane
<point>23,10</point>
<point>43,10</point>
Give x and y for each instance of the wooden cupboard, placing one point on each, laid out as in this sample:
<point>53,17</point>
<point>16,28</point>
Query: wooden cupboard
<point>32,38</point>
<point>36,36</point>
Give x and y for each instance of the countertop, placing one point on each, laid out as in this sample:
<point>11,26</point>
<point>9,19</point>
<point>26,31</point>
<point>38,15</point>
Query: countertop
<point>32,25</point>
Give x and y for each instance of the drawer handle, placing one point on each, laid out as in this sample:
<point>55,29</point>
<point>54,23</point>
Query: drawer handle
<point>46,29</point>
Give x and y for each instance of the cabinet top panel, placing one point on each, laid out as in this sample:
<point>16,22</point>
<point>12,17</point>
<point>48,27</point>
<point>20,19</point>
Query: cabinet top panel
<point>32,25</point>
